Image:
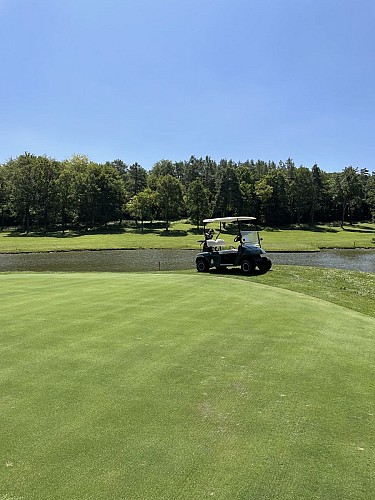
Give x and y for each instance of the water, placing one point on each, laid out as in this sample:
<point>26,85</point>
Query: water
<point>165,260</point>
<point>357,260</point>
<point>103,260</point>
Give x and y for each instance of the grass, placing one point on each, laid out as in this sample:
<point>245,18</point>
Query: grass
<point>351,289</point>
<point>321,236</point>
<point>183,235</point>
<point>184,386</point>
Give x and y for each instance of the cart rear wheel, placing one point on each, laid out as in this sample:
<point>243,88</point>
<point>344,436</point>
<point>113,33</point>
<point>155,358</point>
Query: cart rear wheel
<point>202,266</point>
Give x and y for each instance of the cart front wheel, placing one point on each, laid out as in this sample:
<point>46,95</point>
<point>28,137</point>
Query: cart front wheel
<point>265,265</point>
<point>247,266</point>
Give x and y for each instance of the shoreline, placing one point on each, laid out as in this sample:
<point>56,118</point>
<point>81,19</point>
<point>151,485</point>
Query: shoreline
<point>25,252</point>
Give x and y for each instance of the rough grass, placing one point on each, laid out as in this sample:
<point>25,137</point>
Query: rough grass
<point>352,289</point>
<point>160,386</point>
<point>183,235</point>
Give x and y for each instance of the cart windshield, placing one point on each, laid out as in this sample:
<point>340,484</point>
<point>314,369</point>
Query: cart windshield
<point>250,238</point>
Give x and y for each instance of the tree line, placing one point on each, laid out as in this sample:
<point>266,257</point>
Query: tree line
<point>39,192</point>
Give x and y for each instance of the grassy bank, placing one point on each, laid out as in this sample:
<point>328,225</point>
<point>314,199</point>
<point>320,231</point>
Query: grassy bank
<point>151,386</point>
<point>183,235</point>
<point>350,289</point>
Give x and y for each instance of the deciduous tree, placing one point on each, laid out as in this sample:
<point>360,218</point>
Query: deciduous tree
<point>198,202</point>
<point>4,194</point>
<point>370,194</point>
<point>45,175</point>
<point>23,187</point>
<point>142,205</point>
<point>169,198</point>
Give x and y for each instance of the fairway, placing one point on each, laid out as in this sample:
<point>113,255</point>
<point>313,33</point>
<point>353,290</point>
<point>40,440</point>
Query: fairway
<point>184,236</point>
<point>172,386</point>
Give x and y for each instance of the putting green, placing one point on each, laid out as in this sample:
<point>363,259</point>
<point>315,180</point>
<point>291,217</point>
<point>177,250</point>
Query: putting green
<point>166,386</point>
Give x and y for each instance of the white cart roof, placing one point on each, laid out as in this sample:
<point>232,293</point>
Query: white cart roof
<point>229,219</point>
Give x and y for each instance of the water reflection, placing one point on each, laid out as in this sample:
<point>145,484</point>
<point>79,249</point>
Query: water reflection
<point>357,260</point>
<point>165,260</point>
<point>104,260</point>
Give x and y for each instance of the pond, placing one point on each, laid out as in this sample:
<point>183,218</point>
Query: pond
<point>169,260</point>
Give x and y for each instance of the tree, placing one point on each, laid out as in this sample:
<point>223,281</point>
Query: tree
<point>370,194</point>
<point>271,191</point>
<point>179,171</point>
<point>316,191</point>
<point>246,177</point>
<point>120,166</point>
<point>363,211</point>
<point>248,198</point>
<point>45,173</point>
<point>209,175</point>
<point>228,198</point>
<point>23,187</point>
<point>79,165</point>
<point>107,193</point>
<point>133,207</point>
<point>197,202</point>
<point>169,198</point>
<point>159,170</point>
<point>349,191</point>
<point>264,193</point>
<point>4,194</point>
<point>303,194</point>
<point>193,170</point>
<point>292,189</point>
<point>135,179</point>
<point>67,184</point>
<point>141,206</point>
<point>100,191</point>
<point>147,200</point>
<point>162,168</point>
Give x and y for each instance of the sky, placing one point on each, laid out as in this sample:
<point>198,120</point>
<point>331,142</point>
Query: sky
<point>145,80</point>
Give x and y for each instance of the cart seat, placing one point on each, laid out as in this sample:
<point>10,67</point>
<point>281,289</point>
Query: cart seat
<point>215,243</point>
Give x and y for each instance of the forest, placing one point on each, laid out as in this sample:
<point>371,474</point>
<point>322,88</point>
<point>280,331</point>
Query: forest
<point>42,193</point>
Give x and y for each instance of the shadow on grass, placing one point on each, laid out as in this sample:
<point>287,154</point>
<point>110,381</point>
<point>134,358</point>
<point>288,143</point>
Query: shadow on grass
<point>312,229</point>
<point>155,225</point>
<point>148,228</point>
<point>69,233</point>
<point>174,232</point>
<point>236,271</point>
<point>359,229</point>
<point>145,230</point>
<point>194,230</point>
<point>334,228</point>
<point>49,234</point>
<point>75,233</point>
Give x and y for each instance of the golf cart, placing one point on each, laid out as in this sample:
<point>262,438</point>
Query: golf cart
<point>249,254</point>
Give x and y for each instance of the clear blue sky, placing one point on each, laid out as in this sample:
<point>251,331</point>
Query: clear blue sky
<point>143,80</point>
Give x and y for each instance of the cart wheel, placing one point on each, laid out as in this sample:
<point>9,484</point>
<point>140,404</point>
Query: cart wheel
<point>202,266</point>
<point>247,266</point>
<point>265,265</point>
